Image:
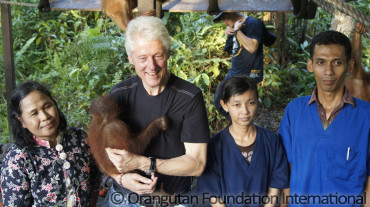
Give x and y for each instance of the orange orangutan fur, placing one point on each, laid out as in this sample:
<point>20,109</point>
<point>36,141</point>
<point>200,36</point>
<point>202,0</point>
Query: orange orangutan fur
<point>358,81</point>
<point>106,130</point>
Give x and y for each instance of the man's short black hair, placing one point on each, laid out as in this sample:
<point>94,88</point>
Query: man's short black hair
<point>331,37</point>
<point>227,15</point>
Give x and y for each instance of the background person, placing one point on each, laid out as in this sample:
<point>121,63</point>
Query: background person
<point>243,159</point>
<point>245,44</point>
<point>179,152</point>
<point>327,135</point>
<point>49,165</point>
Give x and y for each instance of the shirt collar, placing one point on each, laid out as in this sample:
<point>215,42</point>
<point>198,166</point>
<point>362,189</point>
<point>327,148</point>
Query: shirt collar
<point>347,97</point>
<point>45,143</point>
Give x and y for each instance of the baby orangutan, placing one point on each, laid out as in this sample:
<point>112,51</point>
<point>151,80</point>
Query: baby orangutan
<point>358,81</point>
<point>106,130</point>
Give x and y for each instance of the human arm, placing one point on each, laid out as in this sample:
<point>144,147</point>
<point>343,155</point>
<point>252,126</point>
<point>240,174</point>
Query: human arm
<point>15,183</point>
<point>250,44</point>
<point>209,183</point>
<point>285,193</point>
<point>217,202</point>
<point>284,197</point>
<point>280,174</point>
<point>367,192</point>
<point>272,195</point>
<point>192,163</point>
<point>357,48</point>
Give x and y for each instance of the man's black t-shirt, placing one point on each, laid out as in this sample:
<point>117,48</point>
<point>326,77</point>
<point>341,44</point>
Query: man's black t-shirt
<point>182,103</point>
<point>243,62</point>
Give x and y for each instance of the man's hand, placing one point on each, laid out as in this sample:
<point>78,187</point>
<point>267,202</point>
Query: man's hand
<point>238,24</point>
<point>137,183</point>
<point>229,31</point>
<point>123,160</point>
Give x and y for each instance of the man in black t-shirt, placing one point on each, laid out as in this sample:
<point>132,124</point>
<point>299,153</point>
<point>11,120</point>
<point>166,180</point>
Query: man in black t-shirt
<point>177,153</point>
<point>245,44</point>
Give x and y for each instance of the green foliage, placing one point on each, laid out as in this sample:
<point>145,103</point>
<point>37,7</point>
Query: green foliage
<point>81,55</point>
<point>198,57</point>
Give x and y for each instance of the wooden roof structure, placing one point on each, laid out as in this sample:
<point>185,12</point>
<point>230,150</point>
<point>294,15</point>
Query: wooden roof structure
<point>186,5</point>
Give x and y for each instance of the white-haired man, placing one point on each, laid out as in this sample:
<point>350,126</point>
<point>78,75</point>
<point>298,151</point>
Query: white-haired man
<point>176,154</point>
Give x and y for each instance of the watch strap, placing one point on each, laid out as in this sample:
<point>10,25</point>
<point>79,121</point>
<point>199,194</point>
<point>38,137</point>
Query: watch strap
<point>152,167</point>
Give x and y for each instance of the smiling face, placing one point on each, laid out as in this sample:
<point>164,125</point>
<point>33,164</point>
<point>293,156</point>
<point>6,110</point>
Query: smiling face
<point>40,116</point>
<point>150,60</point>
<point>329,65</point>
<point>242,108</point>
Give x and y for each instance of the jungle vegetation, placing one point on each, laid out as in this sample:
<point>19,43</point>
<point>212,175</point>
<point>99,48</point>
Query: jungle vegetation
<point>81,55</point>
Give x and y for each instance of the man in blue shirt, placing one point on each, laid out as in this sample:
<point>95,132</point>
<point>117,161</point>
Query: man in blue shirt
<point>326,135</point>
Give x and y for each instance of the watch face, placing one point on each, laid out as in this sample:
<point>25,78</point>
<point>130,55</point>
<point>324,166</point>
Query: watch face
<point>149,172</point>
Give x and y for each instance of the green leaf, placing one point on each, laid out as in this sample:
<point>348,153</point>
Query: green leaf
<point>205,78</point>
<point>267,101</point>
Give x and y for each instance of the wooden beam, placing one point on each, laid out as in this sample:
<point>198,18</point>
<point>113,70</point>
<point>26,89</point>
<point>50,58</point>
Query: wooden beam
<point>86,5</point>
<point>228,5</point>
<point>6,27</point>
<point>184,5</point>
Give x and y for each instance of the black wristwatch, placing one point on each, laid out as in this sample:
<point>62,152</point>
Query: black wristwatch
<point>152,167</point>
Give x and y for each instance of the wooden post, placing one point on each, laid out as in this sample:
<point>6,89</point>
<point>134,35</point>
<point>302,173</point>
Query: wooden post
<point>6,23</point>
<point>145,6</point>
<point>158,9</point>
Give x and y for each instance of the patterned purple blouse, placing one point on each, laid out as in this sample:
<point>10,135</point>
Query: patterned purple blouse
<point>39,175</point>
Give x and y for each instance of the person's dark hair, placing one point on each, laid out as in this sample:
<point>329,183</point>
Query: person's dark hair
<point>227,15</point>
<point>331,37</point>
<point>23,137</point>
<point>236,85</point>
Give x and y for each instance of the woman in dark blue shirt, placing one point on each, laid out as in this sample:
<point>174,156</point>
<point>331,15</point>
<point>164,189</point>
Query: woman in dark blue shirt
<point>246,164</point>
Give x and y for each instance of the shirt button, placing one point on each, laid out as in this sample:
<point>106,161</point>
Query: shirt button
<point>59,147</point>
<point>66,165</point>
<point>63,156</point>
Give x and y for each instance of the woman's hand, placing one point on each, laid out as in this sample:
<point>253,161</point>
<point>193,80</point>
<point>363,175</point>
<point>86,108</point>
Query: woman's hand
<point>123,160</point>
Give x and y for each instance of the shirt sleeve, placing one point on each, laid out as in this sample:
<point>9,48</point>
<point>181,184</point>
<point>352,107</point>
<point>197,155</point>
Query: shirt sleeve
<point>280,173</point>
<point>209,183</point>
<point>252,29</point>
<point>285,134</point>
<point>195,127</point>
<point>15,183</point>
<point>368,156</point>
<point>229,44</point>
